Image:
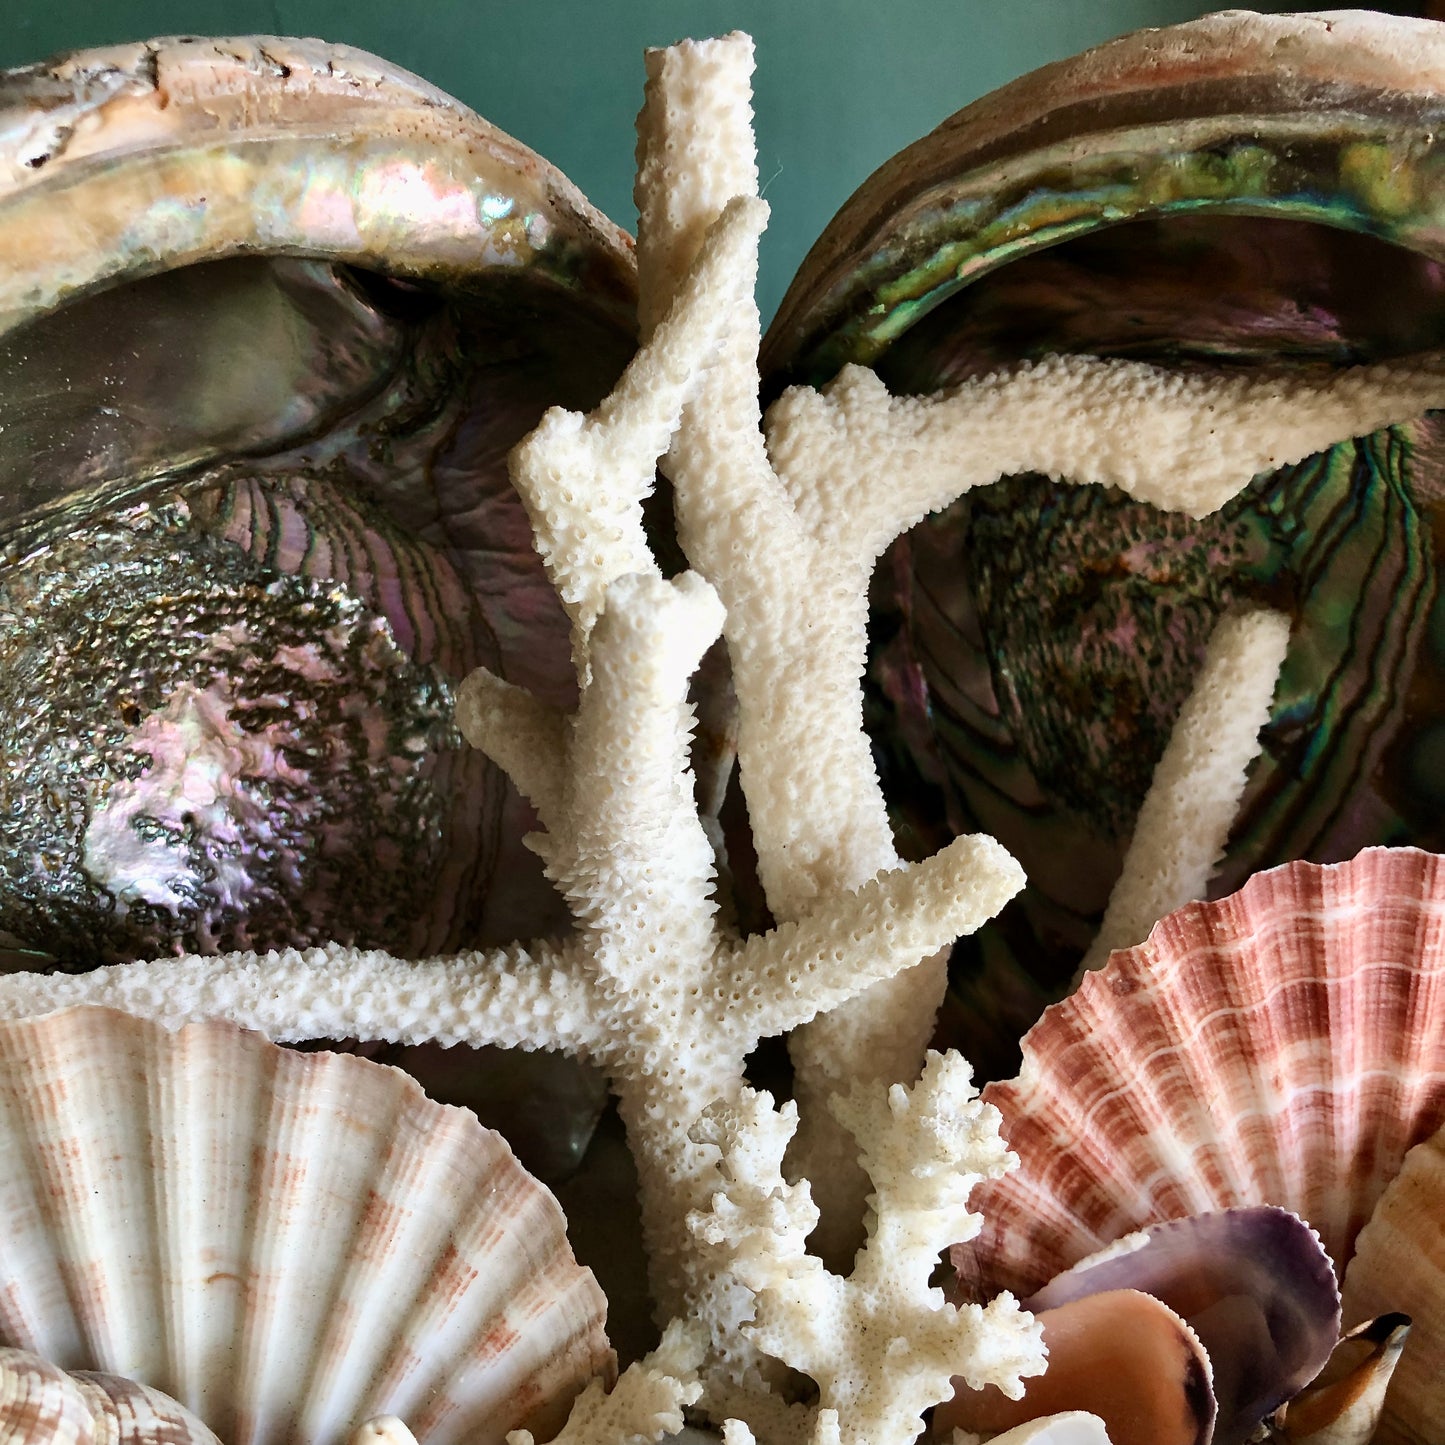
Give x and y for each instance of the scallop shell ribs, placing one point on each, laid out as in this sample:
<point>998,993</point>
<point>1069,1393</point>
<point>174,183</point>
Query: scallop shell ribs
<point>288,1244</point>
<point>1401,1257</point>
<point>1285,1045</point>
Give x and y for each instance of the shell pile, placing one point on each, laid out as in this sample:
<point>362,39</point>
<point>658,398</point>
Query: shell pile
<point>1283,1046</point>
<point>271,318</point>
<point>288,1244</point>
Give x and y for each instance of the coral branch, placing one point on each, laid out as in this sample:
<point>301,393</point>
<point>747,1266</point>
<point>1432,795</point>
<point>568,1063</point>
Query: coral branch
<point>529,997</point>
<point>583,478</point>
<point>645,1404</point>
<point>817,816</point>
<point>525,737</point>
<point>633,811</point>
<point>695,153</point>
<point>891,922</point>
<point>1183,441</point>
<point>795,620</point>
<point>678,1005</point>
<point>1192,801</point>
<point>882,1344</point>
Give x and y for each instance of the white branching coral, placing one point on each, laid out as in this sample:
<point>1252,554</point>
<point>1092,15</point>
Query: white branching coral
<point>676,1005</point>
<point>649,986</point>
<point>882,1345</point>
<point>789,534</point>
<point>645,1404</point>
<point>1181,830</point>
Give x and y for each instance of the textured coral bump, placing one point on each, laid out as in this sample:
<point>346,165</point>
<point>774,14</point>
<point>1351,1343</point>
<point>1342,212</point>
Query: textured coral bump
<point>882,1345</point>
<point>645,1404</point>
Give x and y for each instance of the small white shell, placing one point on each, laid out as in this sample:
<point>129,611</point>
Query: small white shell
<point>1072,1427</point>
<point>289,1244</point>
<point>1400,1258</point>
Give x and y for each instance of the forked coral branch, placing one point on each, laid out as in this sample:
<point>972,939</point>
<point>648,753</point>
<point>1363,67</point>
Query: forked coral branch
<point>789,535</point>
<point>882,1345</point>
<point>679,1003</point>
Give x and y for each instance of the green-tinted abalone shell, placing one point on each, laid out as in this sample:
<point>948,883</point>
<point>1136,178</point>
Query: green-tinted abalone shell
<point>1031,646</point>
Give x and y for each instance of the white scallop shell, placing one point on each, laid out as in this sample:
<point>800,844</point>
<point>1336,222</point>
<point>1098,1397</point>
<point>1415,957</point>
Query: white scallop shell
<point>1285,1045</point>
<point>288,1244</point>
<point>1400,1257</point>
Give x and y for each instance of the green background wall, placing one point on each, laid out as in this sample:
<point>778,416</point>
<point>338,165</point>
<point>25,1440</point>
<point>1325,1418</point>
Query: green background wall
<point>841,84</point>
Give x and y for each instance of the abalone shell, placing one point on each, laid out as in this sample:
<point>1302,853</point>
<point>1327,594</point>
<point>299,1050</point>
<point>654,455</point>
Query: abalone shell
<point>271,316</point>
<point>1245,191</point>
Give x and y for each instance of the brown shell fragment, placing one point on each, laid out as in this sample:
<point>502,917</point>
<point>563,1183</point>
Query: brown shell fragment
<point>1253,1284</point>
<point>1343,1405</point>
<point>1400,1260</point>
<point>1121,1355</point>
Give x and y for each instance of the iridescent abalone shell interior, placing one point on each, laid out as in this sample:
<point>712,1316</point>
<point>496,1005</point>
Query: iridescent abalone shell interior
<point>269,335</point>
<point>1032,645</point>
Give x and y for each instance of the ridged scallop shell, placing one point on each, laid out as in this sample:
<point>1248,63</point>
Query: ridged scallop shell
<point>1400,1257</point>
<point>1242,190</point>
<point>288,1244</point>
<point>1285,1045</point>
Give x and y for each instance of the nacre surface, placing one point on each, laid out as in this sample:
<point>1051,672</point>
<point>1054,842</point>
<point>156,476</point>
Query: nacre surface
<point>254,516</point>
<point>1197,197</point>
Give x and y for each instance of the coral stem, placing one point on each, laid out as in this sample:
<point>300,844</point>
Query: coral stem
<point>1192,802</point>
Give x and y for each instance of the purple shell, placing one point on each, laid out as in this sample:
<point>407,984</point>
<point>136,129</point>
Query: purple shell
<point>1255,1285</point>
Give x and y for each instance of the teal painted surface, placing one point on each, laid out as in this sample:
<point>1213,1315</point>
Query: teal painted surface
<point>841,84</point>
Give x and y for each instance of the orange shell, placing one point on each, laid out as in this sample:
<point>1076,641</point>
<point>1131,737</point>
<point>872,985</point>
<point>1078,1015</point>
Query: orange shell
<point>1122,1356</point>
<point>1285,1045</point>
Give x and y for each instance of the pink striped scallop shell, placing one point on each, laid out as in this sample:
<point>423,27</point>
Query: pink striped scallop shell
<point>1284,1045</point>
<point>288,1244</point>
